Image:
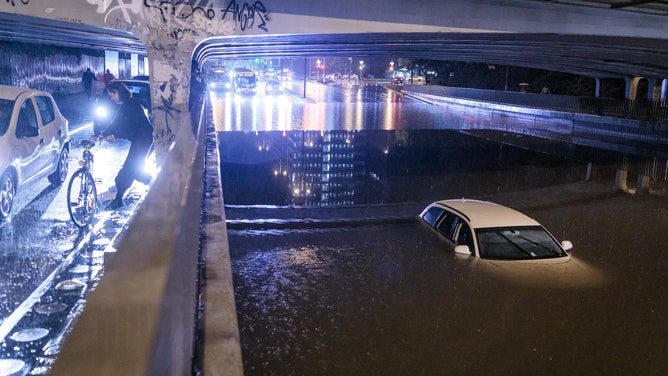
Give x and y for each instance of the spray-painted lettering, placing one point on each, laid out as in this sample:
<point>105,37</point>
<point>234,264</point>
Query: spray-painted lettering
<point>24,2</point>
<point>179,9</point>
<point>247,15</point>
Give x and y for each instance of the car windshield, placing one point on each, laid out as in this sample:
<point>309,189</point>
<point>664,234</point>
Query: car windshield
<point>6,107</point>
<point>517,243</point>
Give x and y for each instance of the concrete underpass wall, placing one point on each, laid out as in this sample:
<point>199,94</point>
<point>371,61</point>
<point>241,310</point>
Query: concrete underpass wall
<point>648,139</point>
<point>54,69</point>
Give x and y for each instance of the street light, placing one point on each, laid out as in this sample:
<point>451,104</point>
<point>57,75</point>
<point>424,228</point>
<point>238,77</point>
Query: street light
<point>391,68</point>
<point>317,70</point>
<point>361,68</point>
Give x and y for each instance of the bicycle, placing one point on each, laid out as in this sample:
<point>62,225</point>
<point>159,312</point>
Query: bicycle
<point>81,190</point>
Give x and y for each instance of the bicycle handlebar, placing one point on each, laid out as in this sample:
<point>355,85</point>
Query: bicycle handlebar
<point>91,142</point>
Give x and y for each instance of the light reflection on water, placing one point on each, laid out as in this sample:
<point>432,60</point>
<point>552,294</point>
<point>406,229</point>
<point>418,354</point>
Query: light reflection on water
<point>344,168</point>
<point>357,110</point>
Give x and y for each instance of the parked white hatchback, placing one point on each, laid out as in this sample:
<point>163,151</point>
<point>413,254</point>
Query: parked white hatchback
<point>492,231</point>
<point>34,142</point>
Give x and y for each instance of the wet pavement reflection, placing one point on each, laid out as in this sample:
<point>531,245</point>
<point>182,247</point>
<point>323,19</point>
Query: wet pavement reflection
<point>324,289</point>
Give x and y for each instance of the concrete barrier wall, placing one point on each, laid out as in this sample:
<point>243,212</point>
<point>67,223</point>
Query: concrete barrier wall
<point>642,138</point>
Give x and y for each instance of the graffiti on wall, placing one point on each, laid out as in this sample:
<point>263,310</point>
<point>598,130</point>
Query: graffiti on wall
<point>13,2</point>
<point>246,15</point>
<point>192,17</point>
<point>167,91</point>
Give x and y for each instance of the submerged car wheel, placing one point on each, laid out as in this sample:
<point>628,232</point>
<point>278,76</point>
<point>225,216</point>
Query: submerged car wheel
<point>7,191</point>
<point>59,176</point>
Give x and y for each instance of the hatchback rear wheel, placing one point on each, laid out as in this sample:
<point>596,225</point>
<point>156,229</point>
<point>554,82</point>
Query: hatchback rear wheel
<point>59,176</point>
<point>7,192</point>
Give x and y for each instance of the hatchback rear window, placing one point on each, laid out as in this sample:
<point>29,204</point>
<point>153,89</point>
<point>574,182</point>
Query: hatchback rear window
<point>45,109</point>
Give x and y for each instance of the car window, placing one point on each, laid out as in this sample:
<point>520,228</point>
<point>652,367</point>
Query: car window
<point>464,236</point>
<point>27,118</point>
<point>448,225</point>
<point>432,215</point>
<point>45,107</point>
<point>6,107</point>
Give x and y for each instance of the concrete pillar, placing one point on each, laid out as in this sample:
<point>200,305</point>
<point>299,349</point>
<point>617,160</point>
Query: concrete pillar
<point>651,89</point>
<point>620,179</point>
<point>169,43</point>
<point>632,87</point>
<point>642,185</point>
<point>649,172</point>
<point>622,174</point>
<point>597,92</point>
<point>664,90</point>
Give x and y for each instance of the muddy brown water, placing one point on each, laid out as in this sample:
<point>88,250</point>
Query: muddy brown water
<point>392,300</point>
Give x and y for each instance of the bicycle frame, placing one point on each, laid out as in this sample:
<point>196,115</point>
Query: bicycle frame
<point>81,190</point>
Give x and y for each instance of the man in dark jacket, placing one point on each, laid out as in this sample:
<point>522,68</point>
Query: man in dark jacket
<point>87,80</point>
<point>132,124</point>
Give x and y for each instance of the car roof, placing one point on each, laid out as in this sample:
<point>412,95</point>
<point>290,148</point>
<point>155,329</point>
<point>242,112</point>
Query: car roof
<point>12,92</point>
<point>485,214</point>
<point>134,82</point>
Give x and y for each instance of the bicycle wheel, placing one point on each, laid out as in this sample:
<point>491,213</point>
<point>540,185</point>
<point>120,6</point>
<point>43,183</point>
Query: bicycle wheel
<point>82,198</point>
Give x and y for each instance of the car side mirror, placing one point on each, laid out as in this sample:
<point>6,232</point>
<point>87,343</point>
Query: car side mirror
<point>463,250</point>
<point>566,245</point>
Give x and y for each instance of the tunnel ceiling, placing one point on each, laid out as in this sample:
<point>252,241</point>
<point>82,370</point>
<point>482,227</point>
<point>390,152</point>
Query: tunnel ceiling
<point>26,29</point>
<point>596,56</point>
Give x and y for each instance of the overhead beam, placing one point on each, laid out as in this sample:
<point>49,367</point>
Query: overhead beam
<point>630,4</point>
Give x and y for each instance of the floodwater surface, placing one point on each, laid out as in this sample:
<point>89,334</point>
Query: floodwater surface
<point>393,300</point>
<point>334,275</point>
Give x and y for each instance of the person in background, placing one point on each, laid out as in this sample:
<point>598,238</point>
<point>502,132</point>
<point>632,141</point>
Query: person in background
<point>132,124</point>
<point>87,81</point>
<point>546,90</point>
<point>107,77</point>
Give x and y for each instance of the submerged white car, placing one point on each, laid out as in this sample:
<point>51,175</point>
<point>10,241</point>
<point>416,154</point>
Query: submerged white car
<point>492,231</point>
<point>34,142</point>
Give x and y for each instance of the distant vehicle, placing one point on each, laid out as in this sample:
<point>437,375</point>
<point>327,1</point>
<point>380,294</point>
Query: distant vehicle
<point>221,80</point>
<point>105,108</point>
<point>141,77</point>
<point>418,80</point>
<point>34,142</point>
<point>398,81</point>
<point>492,231</point>
<point>273,87</point>
<point>245,81</point>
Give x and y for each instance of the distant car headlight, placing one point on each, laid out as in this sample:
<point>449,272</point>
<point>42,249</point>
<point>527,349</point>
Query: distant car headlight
<point>101,112</point>
<point>212,85</point>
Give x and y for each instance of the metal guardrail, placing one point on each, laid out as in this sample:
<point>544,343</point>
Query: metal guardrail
<point>646,110</point>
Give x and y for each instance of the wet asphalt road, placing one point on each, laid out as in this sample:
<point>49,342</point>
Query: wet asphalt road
<point>383,298</point>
